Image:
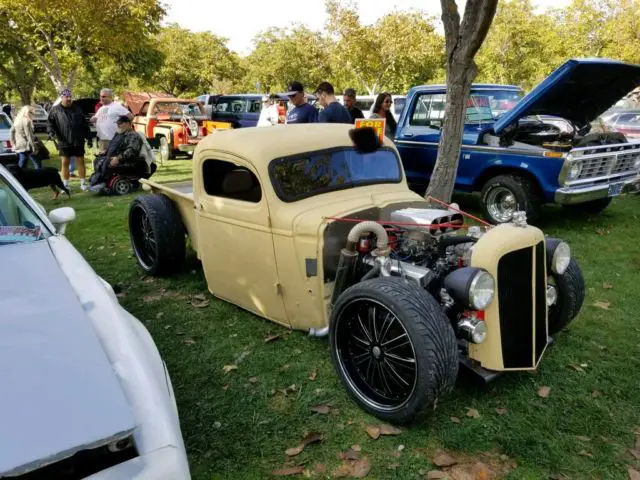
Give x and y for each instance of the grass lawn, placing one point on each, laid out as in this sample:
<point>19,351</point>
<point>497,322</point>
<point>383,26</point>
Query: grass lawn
<point>237,425</point>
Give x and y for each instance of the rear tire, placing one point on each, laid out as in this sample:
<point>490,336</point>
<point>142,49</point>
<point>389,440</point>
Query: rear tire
<point>393,348</point>
<point>166,152</point>
<point>592,207</point>
<point>505,194</point>
<point>157,234</point>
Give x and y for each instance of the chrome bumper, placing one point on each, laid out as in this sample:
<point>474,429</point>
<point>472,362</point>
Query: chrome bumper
<point>581,194</point>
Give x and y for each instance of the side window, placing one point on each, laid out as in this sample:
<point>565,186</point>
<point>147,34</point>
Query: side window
<point>227,180</point>
<point>429,111</point>
<point>255,106</point>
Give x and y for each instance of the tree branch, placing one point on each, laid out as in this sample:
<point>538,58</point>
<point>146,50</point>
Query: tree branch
<point>451,21</point>
<point>478,15</point>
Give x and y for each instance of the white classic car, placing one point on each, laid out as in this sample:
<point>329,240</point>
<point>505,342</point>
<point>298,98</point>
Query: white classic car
<point>85,393</point>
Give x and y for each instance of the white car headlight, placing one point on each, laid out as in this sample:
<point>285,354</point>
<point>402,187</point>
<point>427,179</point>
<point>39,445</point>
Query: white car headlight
<point>561,258</point>
<point>482,290</point>
<point>575,170</point>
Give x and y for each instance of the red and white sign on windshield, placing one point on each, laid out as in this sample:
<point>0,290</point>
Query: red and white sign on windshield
<point>377,124</point>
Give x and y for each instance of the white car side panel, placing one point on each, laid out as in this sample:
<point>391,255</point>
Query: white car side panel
<point>134,357</point>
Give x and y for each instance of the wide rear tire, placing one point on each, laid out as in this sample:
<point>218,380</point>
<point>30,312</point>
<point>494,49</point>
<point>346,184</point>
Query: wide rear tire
<point>393,348</point>
<point>157,234</point>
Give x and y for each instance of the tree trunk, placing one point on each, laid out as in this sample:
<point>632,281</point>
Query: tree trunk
<point>459,79</point>
<point>26,95</point>
<point>463,40</point>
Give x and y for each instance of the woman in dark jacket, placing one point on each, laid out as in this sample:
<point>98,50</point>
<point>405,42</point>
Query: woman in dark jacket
<point>70,128</point>
<point>382,109</point>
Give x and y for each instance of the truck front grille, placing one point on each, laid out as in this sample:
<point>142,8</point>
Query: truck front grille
<point>604,161</point>
<point>523,329</point>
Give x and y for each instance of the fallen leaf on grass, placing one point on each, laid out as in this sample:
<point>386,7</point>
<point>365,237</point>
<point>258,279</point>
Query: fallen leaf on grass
<point>455,419</point>
<point>200,297</point>
<point>393,466</point>
<point>188,341</point>
<point>253,379</point>
<point>159,314</point>
<point>596,394</point>
<point>583,438</point>
<point>607,285</point>
<point>501,411</point>
<point>292,452</point>
<point>373,431</point>
<point>633,474</point>
<point>544,391</point>
<point>436,475</point>
<point>228,368</point>
<point>443,459</point>
<point>602,305</point>
<point>202,304</point>
<point>321,409</point>
<point>584,453</point>
<point>272,338</point>
<point>354,469</point>
<point>149,280</point>
<point>289,471</point>
<point>311,438</point>
<point>225,387</point>
<point>288,390</point>
<point>356,448</point>
<point>577,368</point>
<point>319,468</point>
<point>350,454</point>
<point>472,412</point>
<point>386,429</point>
<point>151,298</point>
<point>313,375</point>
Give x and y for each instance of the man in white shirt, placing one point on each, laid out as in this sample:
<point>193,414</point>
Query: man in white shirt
<point>105,118</point>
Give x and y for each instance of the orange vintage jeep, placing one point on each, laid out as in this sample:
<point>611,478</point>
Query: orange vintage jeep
<point>170,124</point>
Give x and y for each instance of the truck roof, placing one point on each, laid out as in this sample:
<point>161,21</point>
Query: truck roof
<point>484,86</point>
<point>260,145</point>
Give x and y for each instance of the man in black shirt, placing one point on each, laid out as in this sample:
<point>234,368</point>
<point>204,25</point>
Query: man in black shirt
<point>333,111</point>
<point>349,100</point>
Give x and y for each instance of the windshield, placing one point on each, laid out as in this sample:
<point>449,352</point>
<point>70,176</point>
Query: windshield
<point>18,222</point>
<point>176,108</point>
<point>314,173</point>
<point>500,102</point>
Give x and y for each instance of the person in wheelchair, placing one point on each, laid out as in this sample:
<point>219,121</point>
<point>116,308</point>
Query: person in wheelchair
<point>123,156</point>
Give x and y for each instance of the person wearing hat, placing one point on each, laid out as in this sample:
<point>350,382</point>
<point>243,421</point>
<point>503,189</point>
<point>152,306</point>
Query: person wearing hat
<point>123,152</point>
<point>269,111</point>
<point>349,99</point>
<point>301,112</point>
<point>69,127</point>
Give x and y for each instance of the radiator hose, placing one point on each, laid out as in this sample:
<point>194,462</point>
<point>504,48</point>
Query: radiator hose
<point>348,255</point>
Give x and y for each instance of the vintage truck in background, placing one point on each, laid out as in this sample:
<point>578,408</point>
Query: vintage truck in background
<point>172,125</point>
<point>521,152</point>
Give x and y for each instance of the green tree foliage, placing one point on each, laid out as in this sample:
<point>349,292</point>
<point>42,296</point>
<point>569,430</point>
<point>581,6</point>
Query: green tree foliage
<point>63,34</point>
<point>280,56</point>
<point>521,47</point>
<point>193,62</point>
<point>400,50</point>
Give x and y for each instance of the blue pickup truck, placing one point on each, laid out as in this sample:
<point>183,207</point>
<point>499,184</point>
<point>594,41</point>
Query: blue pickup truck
<point>523,151</point>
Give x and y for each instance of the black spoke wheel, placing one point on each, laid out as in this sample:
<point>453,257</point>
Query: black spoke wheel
<point>122,186</point>
<point>157,234</point>
<point>393,348</point>
<point>570,297</point>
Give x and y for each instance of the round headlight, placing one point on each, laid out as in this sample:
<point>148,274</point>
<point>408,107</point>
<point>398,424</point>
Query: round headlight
<point>561,258</point>
<point>481,290</point>
<point>575,170</point>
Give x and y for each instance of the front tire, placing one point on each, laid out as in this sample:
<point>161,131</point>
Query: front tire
<point>570,290</point>
<point>166,152</point>
<point>393,348</point>
<point>157,234</point>
<point>504,195</point>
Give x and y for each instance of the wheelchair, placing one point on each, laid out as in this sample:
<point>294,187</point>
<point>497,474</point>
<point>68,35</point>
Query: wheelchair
<point>124,180</point>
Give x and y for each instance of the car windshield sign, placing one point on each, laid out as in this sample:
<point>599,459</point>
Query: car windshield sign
<point>303,176</point>
<point>18,223</point>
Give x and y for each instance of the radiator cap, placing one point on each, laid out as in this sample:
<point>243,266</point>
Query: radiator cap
<point>519,219</point>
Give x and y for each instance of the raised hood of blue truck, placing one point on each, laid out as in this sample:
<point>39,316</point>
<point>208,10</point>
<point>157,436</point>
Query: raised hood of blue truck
<point>579,90</point>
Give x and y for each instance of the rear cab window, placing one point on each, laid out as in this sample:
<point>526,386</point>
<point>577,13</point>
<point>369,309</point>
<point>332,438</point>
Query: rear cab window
<point>5,123</point>
<point>302,176</point>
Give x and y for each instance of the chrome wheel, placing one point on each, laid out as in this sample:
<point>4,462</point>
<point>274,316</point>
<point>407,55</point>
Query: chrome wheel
<point>144,242</point>
<point>501,204</point>
<point>376,355</point>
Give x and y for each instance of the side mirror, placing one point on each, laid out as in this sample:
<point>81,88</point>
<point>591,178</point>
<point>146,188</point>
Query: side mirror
<point>60,217</point>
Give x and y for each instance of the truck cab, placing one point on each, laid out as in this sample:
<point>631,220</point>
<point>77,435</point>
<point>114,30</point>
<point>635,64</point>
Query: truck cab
<point>521,151</point>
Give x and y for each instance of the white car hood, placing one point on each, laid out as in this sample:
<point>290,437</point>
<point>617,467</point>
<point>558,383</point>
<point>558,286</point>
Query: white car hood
<point>59,394</point>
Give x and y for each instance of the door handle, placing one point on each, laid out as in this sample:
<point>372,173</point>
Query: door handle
<point>407,135</point>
